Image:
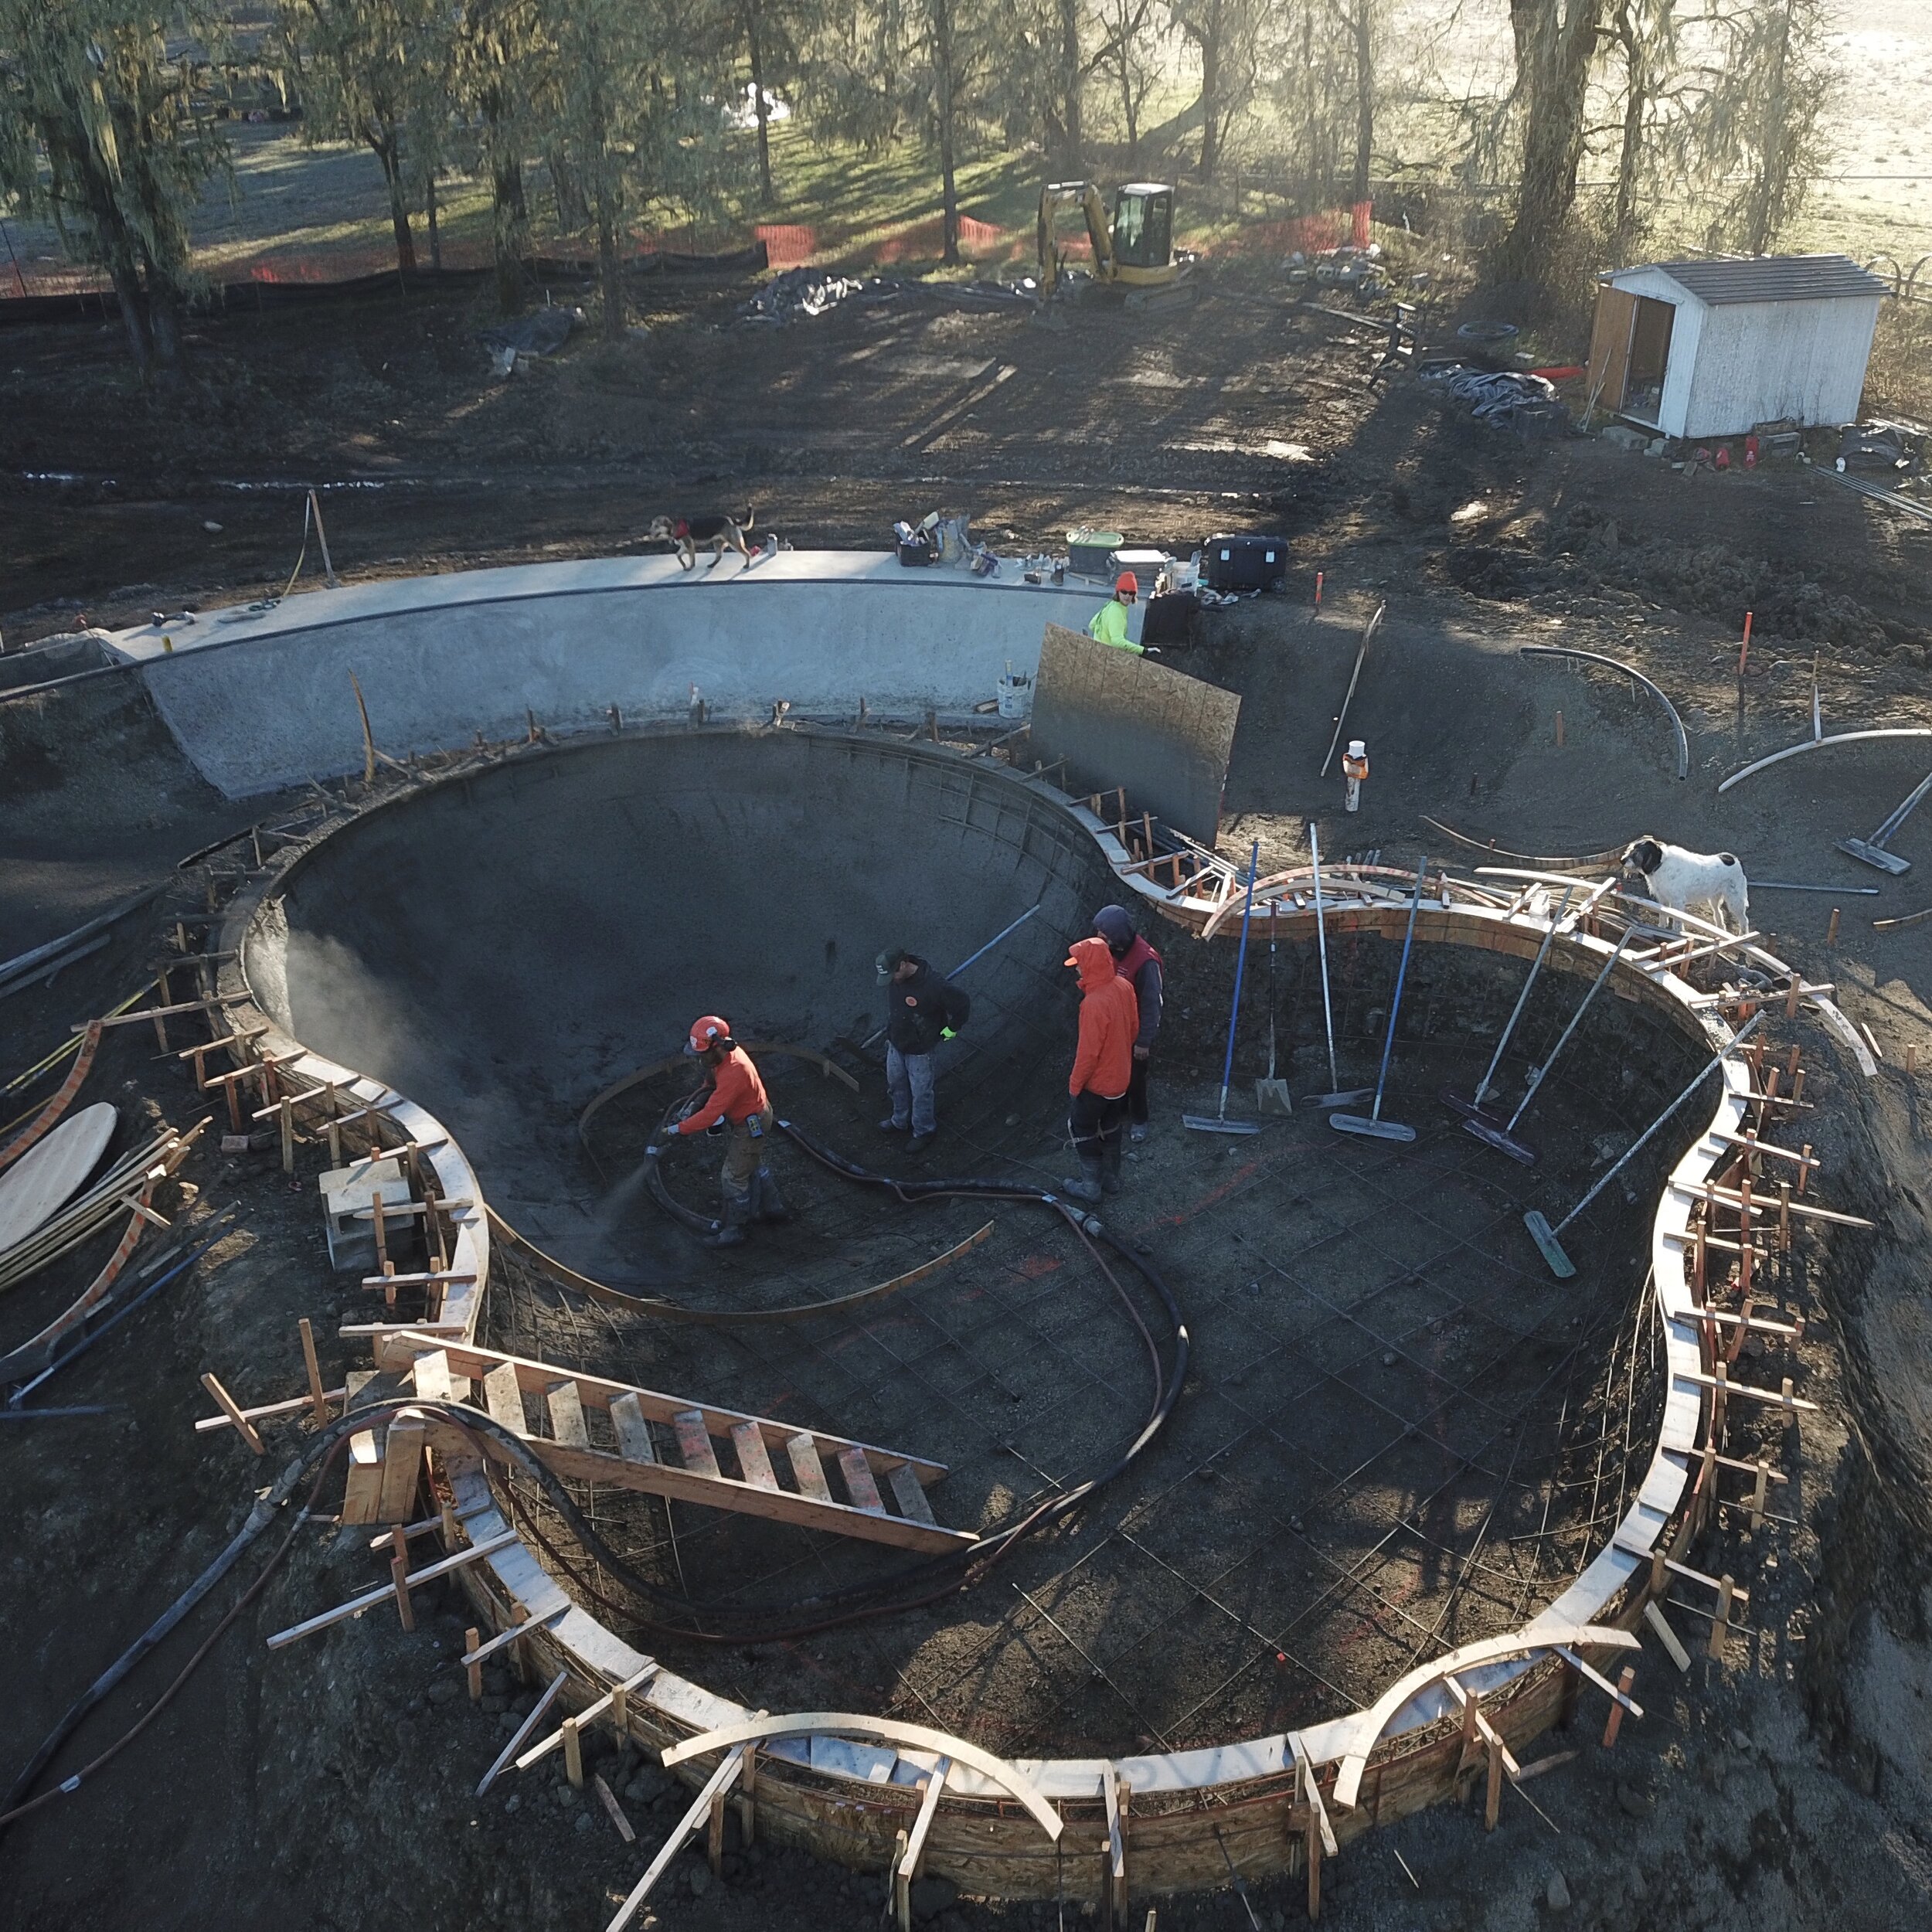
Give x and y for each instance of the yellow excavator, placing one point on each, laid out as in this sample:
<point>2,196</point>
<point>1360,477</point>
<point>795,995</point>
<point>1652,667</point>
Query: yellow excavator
<point>1133,251</point>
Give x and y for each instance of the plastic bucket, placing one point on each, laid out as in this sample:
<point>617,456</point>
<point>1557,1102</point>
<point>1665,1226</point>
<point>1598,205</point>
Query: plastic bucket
<point>1015,696</point>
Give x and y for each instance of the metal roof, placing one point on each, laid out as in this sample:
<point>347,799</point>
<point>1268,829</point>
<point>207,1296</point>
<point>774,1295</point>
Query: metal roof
<point>1769,278</point>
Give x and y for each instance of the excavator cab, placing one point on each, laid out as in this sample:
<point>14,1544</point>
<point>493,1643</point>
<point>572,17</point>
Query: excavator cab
<point>1134,249</point>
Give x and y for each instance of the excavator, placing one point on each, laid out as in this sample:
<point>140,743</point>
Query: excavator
<point>1134,251</point>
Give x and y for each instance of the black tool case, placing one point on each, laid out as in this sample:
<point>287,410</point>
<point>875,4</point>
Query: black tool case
<point>1245,562</point>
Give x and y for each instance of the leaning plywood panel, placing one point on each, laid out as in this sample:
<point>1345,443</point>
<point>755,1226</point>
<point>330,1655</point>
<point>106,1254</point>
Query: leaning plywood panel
<point>45,1177</point>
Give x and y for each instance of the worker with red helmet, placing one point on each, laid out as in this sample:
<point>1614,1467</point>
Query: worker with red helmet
<point>736,1102</point>
<point>1109,624</point>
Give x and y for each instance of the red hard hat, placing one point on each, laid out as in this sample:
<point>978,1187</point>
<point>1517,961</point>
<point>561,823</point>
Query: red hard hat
<point>1128,582</point>
<point>706,1032</point>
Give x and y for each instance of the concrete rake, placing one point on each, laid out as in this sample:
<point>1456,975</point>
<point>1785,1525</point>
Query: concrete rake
<point>1372,1124</point>
<point>1218,1121</point>
<point>1871,851</point>
<point>1545,1236</point>
<point>1472,1109</point>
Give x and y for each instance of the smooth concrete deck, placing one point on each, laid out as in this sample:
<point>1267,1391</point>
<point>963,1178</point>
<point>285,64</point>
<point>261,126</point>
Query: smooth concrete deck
<point>260,698</point>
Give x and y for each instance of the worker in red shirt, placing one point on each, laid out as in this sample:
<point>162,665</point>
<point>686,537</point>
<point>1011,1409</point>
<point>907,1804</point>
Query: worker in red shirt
<point>1103,1069</point>
<point>736,1100</point>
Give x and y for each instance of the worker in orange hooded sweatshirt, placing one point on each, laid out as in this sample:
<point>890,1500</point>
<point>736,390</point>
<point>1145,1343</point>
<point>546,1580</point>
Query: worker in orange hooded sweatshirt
<point>1103,1067</point>
<point>735,1102</point>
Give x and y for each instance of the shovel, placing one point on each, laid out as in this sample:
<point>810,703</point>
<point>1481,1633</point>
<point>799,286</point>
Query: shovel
<point>1271,1095</point>
<point>1372,1124</point>
<point>1218,1122</point>
<point>1872,850</point>
<point>1354,1095</point>
<point>1545,1236</point>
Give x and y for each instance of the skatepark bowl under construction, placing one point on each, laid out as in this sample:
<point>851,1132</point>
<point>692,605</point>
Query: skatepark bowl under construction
<point>1348,1423</point>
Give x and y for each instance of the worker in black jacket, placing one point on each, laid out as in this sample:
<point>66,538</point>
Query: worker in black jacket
<point>921,1009</point>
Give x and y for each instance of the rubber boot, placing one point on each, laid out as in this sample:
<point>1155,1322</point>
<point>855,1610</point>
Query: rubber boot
<point>1089,1186</point>
<point>1110,1152</point>
<point>770,1205</point>
<point>731,1229</point>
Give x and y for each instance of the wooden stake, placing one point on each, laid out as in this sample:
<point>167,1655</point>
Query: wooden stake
<point>748,1795</point>
<point>1653,1616</point>
<point>1831,931</point>
<point>472,1637</point>
<point>1492,1798</point>
<point>605,1795</point>
<point>1560,731</point>
<point>573,1753</point>
<point>1758,1490</point>
<point>398,1571</point>
<point>1614,1722</point>
<point>714,1834</point>
<point>1805,1168</point>
<point>243,1427</point>
<point>288,1135</point>
<point>318,1396</point>
<point>1744,649</point>
<point>1721,1623</point>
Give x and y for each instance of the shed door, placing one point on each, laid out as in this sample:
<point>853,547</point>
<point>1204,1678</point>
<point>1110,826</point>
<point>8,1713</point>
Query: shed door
<point>1649,360</point>
<point>1609,346</point>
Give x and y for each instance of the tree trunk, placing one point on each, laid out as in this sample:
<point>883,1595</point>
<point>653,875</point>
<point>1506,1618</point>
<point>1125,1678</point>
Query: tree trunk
<point>1072,136</point>
<point>1361,25</point>
<point>760,106</point>
<point>609,269</point>
<point>1556,40</point>
<point>942,19</point>
<point>1636,109</point>
<point>429,215</point>
<point>383,139</point>
<point>1765,208</point>
<point>164,324</point>
<point>1210,44</point>
<point>508,219</point>
<point>133,300</point>
<point>1130,108</point>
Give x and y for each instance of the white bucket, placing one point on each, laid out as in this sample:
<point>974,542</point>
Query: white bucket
<point>1016,694</point>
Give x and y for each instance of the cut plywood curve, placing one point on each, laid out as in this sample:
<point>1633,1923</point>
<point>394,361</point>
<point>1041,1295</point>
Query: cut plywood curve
<point>45,1177</point>
<point>1117,720</point>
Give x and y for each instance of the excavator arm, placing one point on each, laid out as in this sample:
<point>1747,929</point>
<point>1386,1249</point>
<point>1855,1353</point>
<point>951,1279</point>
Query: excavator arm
<point>1084,195</point>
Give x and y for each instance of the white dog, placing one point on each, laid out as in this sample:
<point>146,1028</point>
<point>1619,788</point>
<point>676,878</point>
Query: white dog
<point>1709,883</point>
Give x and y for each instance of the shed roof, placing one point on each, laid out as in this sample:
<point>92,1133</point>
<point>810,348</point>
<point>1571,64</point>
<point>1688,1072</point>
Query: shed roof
<point>1770,278</point>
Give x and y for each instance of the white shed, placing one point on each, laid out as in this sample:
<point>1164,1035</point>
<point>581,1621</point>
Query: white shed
<point>1715,347</point>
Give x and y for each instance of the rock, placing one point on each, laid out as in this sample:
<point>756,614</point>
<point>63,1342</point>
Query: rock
<point>932,1896</point>
<point>494,1706</point>
<point>583,1821</point>
<point>443,1690</point>
<point>213,528</point>
<point>568,1796</point>
<point>1740,1738</point>
<point>649,1784</point>
<point>513,1803</point>
<point>699,1880</point>
<point>509,1720</point>
<point>1389,1356</point>
<point>1556,1893</point>
<point>1633,1802</point>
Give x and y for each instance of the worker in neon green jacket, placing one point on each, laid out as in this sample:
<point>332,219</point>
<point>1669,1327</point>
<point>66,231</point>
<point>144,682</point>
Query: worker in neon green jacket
<point>1109,625</point>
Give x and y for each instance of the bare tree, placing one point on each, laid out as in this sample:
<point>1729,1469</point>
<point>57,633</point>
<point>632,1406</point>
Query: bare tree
<point>1226,34</point>
<point>1556,44</point>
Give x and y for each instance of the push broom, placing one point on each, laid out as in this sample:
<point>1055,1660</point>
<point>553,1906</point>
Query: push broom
<point>1372,1124</point>
<point>1218,1122</point>
<point>1545,1236</point>
<point>1335,1096</point>
<point>1503,1138</point>
<point>1472,1108</point>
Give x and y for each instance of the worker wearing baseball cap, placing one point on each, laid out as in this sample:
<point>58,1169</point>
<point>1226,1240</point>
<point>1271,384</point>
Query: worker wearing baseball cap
<point>922,1010</point>
<point>1109,624</point>
<point>1103,1070</point>
<point>736,1102</point>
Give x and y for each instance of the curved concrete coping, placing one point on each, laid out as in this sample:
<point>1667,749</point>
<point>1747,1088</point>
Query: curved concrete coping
<point>259,697</point>
<point>1456,914</point>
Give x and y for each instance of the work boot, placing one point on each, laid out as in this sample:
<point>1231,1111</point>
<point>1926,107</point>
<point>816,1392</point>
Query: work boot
<point>1110,1152</point>
<point>889,1125</point>
<point>731,1230</point>
<point>1089,1187</point>
<point>770,1205</point>
<point>919,1142</point>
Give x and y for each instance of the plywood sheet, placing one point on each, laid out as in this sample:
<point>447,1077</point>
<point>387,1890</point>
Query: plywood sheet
<point>45,1177</point>
<point>1120,719</point>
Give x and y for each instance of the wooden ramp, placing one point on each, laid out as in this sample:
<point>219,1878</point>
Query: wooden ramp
<point>687,1451</point>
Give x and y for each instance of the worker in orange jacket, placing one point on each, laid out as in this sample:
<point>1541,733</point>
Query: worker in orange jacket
<point>736,1102</point>
<point>1103,1069</point>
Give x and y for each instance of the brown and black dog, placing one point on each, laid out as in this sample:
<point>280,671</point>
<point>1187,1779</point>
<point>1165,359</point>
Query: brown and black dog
<point>722,533</point>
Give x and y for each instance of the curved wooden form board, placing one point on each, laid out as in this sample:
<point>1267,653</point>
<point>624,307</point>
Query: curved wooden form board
<point>1635,676</point>
<point>48,1176</point>
<point>671,1707</point>
<point>57,1102</point>
<point>890,1730</point>
<point>1818,744</point>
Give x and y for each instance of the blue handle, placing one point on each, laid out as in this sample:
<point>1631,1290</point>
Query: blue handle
<point>1241,966</point>
<point>1401,972</point>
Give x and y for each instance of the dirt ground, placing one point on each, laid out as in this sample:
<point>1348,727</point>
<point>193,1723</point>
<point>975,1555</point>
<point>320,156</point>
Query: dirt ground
<point>1789,1786</point>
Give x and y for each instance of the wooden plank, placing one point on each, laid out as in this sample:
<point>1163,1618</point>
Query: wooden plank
<point>395,1343</point>
<point>537,1711</point>
<point>591,1712</point>
<point>362,1489</point>
<point>386,1593</point>
<point>567,1415</point>
<point>231,1409</point>
<point>859,1484</point>
<point>720,1781</point>
<point>752,1458</point>
<point>634,1433</point>
<point>433,1376</point>
<point>607,1798</point>
<point>694,1442</point>
<point>501,1398</point>
<point>807,1466</point>
<point>401,1468</point>
<point>1667,1637</point>
<point>910,1498</point>
<point>720,1491</point>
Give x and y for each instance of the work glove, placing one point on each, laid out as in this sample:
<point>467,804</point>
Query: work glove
<point>712,1132</point>
<point>651,1153</point>
<point>949,1032</point>
<point>1149,651</point>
